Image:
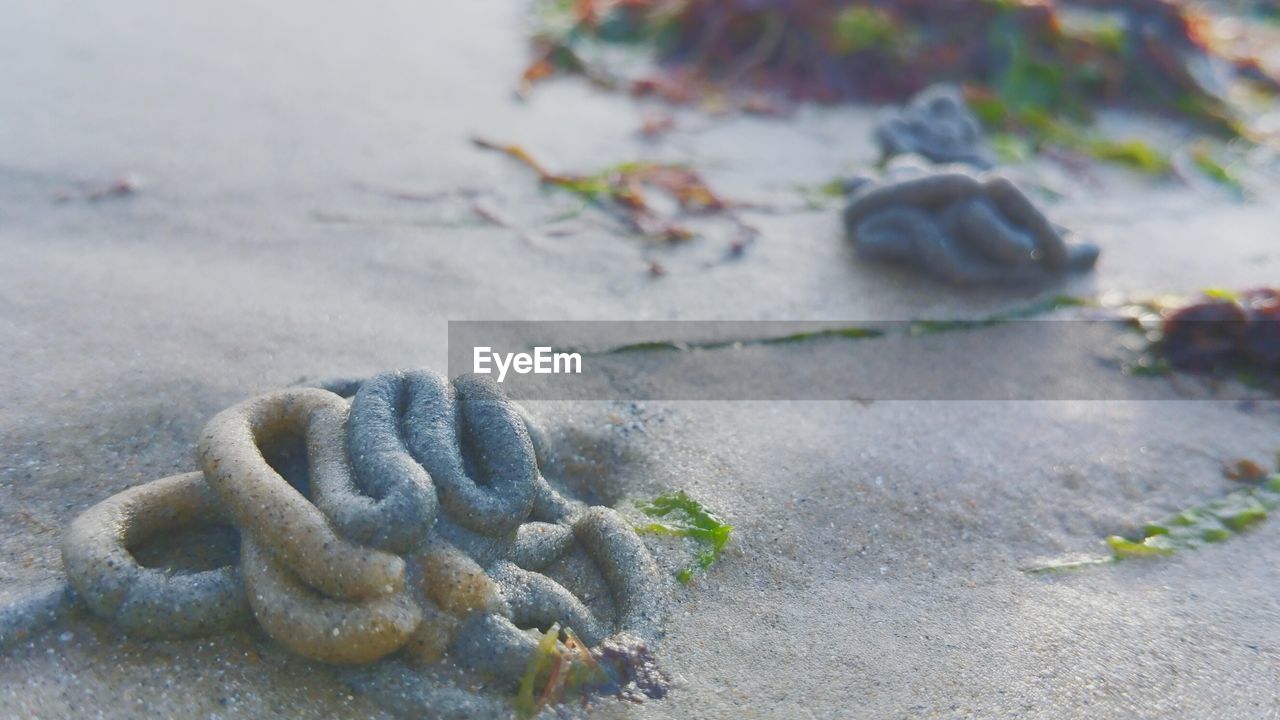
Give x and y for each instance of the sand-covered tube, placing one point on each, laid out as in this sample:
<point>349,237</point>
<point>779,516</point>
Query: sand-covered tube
<point>929,191</point>
<point>473,443</point>
<point>538,544</point>
<point>321,628</point>
<point>936,124</point>
<point>265,506</point>
<point>151,601</point>
<point>537,601</point>
<point>903,233</point>
<point>383,498</point>
<point>961,228</point>
<point>413,518</point>
<point>534,600</point>
<point>628,569</point>
<point>490,644</point>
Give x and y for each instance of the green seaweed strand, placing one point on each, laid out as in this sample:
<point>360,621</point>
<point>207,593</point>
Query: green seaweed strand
<point>539,664</point>
<point>1212,522</point>
<point>1040,307</point>
<point>682,516</point>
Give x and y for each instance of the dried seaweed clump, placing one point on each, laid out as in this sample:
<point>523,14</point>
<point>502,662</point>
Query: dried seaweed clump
<point>622,191</point>
<point>412,519</point>
<point>937,125</point>
<point>961,228</point>
<point>1225,332</point>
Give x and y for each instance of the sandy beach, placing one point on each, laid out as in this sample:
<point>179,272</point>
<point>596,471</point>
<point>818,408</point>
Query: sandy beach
<point>876,567</point>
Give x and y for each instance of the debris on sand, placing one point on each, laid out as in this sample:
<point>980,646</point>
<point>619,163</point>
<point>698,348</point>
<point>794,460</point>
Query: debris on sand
<point>622,666</point>
<point>675,514</point>
<point>1212,522</point>
<point>1050,56</point>
<point>1222,335</point>
<point>121,187</point>
<point>413,517</point>
<point>1205,161</point>
<point>962,228</point>
<point>621,189</point>
<point>1224,332</point>
<point>937,125</point>
<point>1244,470</point>
<point>1215,521</point>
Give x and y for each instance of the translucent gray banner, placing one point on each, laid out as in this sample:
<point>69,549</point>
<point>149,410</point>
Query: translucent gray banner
<point>863,361</point>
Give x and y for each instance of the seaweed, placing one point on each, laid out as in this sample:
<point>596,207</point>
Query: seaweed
<point>1136,154</point>
<point>859,28</point>
<point>620,191</point>
<point>544,659</point>
<point>843,332</point>
<point>1030,52</point>
<point>1225,334</point>
<point>622,666</point>
<point>1244,470</point>
<point>1031,310</point>
<point>1203,159</point>
<point>1215,521</point>
<point>1018,131</point>
<point>125,186</point>
<point>846,332</point>
<point>679,515</point>
<point>851,332</point>
<point>823,195</point>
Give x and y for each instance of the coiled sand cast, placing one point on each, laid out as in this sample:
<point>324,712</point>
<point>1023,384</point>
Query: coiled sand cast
<point>938,125</point>
<point>410,518</point>
<point>960,227</point>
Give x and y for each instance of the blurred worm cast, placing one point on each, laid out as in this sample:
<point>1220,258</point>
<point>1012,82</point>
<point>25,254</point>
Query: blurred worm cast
<point>542,361</point>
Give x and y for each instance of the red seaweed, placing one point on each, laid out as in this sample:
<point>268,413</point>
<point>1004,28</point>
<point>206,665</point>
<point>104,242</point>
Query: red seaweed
<point>1138,52</point>
<point>1225,332</point>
